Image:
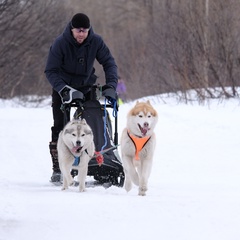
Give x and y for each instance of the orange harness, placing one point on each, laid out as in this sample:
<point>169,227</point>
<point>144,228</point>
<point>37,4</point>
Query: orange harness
<point>139,143</point>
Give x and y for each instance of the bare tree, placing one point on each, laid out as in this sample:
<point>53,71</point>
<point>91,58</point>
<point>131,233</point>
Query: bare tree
<point>201,47</point>
<point>26,28</point>
<point>160,46</point>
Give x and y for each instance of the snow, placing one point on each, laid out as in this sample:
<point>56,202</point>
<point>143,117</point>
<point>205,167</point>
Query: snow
<point>194,187</point>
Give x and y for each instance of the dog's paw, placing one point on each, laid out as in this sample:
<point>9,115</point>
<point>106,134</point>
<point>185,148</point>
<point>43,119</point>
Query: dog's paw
<point>64,188</point>
<point>82,190</point>
<point>142,191</point>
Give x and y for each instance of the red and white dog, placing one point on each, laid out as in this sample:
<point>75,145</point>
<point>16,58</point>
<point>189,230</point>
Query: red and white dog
<point>137,146</point>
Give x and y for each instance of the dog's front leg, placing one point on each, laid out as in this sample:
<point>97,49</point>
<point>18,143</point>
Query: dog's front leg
<point>142,188</point>
<point>130,173</point>
<point>128,181</point>
<point>135,164</point>
<point>144,173</point>
<point>64,175</point>
<point>143,185</point>
<point>65,184</point>
<point>67,178</point>
<point>82,174</point>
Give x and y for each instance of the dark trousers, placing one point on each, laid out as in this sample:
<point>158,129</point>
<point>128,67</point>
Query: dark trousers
<point>58,117</point>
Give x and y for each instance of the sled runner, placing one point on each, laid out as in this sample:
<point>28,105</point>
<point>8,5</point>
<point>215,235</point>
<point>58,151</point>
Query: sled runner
<point>105,166</point>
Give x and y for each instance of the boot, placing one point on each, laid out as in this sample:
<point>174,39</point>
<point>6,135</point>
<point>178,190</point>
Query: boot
<point>74,172</point>
<point>56,176</point>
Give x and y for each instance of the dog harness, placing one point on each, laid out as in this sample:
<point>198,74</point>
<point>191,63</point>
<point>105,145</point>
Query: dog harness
<point>139,143</point>
<point>77,159</point>
<point>97,155</point>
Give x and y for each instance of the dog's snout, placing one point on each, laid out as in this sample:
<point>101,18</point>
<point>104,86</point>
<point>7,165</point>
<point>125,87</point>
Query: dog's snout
<point>78,143</point>
<point>146,124</point>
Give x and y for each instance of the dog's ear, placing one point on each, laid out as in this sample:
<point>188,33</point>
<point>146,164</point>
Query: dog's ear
<point>148,102</point>
<point>68,131</point>
<point>137,103</point>
<point>83,121</point>
<point>88,131</point>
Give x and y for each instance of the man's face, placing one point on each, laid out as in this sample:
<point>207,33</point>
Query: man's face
<point>80,34</point>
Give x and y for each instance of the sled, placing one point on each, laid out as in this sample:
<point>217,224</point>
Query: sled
<point>110,171</point>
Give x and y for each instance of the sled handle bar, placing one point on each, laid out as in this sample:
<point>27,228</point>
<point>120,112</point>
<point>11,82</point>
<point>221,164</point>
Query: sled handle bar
<point>80,104</point>
<point>66,107</point>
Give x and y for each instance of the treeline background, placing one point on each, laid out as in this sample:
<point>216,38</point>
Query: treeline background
<point>160,46</point>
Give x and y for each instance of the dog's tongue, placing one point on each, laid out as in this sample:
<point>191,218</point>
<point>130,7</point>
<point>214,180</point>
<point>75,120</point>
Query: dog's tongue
<point>76,149</point>
<point>144,131</point>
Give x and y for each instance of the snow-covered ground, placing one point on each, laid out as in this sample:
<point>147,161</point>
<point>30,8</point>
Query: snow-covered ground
<point>194,188</point>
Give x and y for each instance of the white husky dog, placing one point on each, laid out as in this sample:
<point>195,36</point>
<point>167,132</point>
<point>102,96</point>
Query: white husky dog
<point>137,145</point>
<point>75,149</point>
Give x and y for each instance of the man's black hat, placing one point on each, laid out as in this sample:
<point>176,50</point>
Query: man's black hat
<point>80,20</point>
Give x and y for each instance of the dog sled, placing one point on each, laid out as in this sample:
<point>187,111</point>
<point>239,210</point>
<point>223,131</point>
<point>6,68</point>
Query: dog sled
<point>105,167</point>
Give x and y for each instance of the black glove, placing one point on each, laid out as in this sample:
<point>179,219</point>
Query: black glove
<point>111,95</point>
<point>109,92</point>
<point>68,94</point>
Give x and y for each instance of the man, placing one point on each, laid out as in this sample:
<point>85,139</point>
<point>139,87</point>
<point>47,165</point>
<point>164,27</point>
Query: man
<point>70,71</point>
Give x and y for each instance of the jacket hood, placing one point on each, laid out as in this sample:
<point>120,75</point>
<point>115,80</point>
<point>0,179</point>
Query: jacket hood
<point>67,34</point>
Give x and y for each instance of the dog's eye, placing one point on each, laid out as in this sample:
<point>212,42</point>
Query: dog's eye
<point>83,135</point>
<point>74,134</point>
<point>140,116</point>
<point>149,116</point>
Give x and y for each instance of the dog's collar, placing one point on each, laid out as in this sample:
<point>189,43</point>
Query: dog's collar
<point>77,159</point>
<point>139,143</point>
